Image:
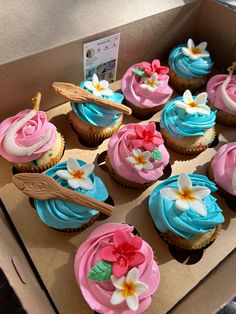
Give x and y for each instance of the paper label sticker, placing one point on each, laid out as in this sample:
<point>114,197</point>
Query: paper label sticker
<point>101,57</point>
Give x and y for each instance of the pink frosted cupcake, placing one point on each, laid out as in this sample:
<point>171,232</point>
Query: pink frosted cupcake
<point>222,170</point>
<point>116,270</point>
<point>145,87</point>
<point>29,141</point>
<point>221,91</point>
<point>136,155</point>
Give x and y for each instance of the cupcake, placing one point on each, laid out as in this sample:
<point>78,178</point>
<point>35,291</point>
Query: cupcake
<point>184,212</point>
<point>29,141</point>
<point>116,270</point>
<point>145,87</point>
<point>187,124</point>
<point>189,66</point>
<point>222,170</point>
<point>221,91</point>
<point>97,111</point>
<point>64,215</point>
<point>136,155</point>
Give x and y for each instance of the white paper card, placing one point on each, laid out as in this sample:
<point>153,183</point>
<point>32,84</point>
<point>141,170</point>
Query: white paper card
<point>101,57</point>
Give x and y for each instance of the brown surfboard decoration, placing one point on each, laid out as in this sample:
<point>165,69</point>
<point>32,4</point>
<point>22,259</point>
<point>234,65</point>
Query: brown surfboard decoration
<point>78,94</point>
<point>43,187</point>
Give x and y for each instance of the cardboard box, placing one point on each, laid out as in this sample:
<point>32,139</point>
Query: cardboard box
<point>53,252</point>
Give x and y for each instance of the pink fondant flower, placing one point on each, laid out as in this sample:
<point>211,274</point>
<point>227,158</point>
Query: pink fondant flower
<point>154,67</point>
<point>147,137</point>
<point>124,254</point>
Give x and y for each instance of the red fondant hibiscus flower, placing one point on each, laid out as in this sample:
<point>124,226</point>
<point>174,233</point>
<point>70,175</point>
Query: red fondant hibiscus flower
<point>154,67</point>
<point>147,137</point>
<point>124,254</point>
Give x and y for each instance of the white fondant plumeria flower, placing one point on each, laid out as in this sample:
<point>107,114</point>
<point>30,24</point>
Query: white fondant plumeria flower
<point>128,289</point>
<point>98,88</point>
<point>140,159</point>
<point>151,83</point>
<point>192,106</point>
<point>195,52</point>
<point>187,196</point>
<point>76,175</point>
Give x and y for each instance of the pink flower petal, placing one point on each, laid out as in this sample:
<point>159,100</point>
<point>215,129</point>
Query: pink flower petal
<point>120,238</point>
<point>148,146</point>
<point>108,253</point>
<point>137,143</point>
<point>157,140</point>
<point>163,70</point>
<point>120,267</point>
<point>136,259</point>
<point>139,130</point>
<point>151,127</point>
<point>135,243</point>
<point>155,65</point>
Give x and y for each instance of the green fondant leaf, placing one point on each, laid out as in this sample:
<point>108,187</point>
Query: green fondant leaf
<point>156,154</point>
<point>102,271</point>
<point>35,162</point>
<point>139,72</point>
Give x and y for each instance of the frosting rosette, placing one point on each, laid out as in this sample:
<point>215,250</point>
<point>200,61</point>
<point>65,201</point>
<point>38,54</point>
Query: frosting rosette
<point>137,153</point>
<point>179,212</point>
<point>95,114</point>
<point>221,91</point>
<point>145,84</point>
<point>26,136</point>
<point>103,291</point>
<point>189,61</point>
<point>224,167</point>
<point>179,123</point>
<point>61,214</point>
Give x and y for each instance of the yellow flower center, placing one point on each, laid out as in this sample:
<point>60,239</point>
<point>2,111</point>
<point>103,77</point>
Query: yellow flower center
<point>99,87</point>
<point>139,159</point>
<point>196,51</point>
<point>192,104</point>
<point>128,288</point>
<point>150,83</point>
<point>77,174</point>
<point>186,195</point>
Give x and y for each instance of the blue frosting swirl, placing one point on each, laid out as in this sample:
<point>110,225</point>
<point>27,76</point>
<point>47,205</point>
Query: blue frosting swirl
<point>179,124</point>
<point>186,67</point>
<point>61,214</point>
<point>187,224</point>
<point>95,114</point>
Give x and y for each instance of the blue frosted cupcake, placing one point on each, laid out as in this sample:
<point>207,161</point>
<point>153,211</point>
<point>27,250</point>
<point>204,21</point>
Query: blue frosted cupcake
<point>65,216</point>
<point>184,211</point>
<point>92,122</point>
<point>187,124</point>
<point>189,66</point>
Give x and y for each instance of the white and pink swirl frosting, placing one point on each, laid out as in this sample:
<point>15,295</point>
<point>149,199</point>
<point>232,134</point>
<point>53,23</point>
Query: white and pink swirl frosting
<point>224,167</point>
<point>144,137</point>
<point>222,93</point>
<point>145,98</point>
<point>98,294</point>
<point>26,136</point>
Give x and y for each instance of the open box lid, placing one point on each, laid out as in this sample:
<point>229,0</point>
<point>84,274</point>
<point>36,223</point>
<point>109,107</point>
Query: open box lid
<point>17,271</point>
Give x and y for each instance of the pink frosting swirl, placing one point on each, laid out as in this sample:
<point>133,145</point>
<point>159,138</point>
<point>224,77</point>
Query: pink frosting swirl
<point>31,133</point>
<point>224,167</point>
<point>144,98</point>
<point>98,294</point>
<point>215,94</point>
<point>121,145</point>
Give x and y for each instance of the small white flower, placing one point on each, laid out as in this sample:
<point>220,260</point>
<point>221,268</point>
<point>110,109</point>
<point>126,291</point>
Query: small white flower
<point>187,196</point>
<point>76,175</point>
<point>98,88</point>
<point>151,83</point>
<point>192,106</point>
<point>140,159</point>
<point>128,289</point>
<point>195,52</point>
